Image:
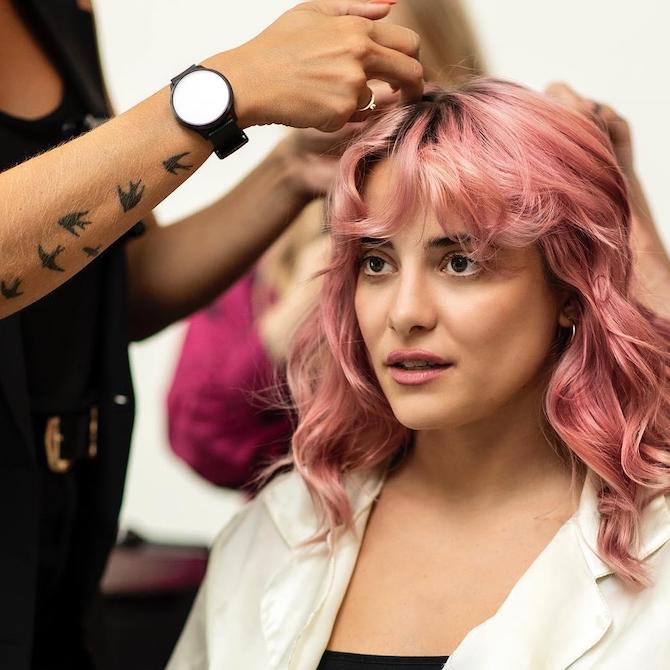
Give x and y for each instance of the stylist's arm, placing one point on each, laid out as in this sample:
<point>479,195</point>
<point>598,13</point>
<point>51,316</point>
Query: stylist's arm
<point>308,69</point>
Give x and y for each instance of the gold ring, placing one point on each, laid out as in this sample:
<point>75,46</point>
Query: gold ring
<point>372,105</point>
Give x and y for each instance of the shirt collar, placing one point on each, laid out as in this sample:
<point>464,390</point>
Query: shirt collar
<point>654,526</point>
<point>292,509</point>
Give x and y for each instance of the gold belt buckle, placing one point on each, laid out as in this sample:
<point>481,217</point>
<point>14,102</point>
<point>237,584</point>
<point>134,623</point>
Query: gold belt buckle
<point>53,438</point>
<point>93,433</point>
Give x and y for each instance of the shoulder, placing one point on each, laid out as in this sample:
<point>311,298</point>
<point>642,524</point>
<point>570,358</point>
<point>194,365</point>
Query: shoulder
<point>252,547</point>
<point>279,516</point>
<point>284,516</point>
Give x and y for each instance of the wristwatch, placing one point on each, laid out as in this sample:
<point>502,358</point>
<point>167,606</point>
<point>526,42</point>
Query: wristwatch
<point>202,100</point>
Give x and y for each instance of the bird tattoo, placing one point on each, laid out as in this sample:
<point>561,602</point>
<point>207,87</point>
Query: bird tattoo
<point>132,196</point>
<point>172,164</point>
<point>49,259</point>
<point>74,220</point>
<point>92,251</point>
<point>10,291</point>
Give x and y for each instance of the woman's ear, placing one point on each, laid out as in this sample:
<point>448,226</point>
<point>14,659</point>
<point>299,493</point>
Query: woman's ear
<point>568,314</point>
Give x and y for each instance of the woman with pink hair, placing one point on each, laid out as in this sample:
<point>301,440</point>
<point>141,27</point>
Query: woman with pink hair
<point>479,473</point>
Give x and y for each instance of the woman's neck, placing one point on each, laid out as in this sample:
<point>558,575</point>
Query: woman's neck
<point>506,459</point>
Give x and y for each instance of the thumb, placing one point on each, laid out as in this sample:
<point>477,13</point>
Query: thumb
<point>369,9</point>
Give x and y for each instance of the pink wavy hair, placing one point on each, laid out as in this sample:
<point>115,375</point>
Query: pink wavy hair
<point>520,170</point>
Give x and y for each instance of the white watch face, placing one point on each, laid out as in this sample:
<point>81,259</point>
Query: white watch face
<point>201,97</point>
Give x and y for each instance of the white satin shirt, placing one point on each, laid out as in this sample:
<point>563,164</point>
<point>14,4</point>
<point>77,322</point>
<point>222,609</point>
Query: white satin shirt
<point>269,603</point>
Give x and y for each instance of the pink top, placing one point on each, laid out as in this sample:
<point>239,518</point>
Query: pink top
<point>220,418</point>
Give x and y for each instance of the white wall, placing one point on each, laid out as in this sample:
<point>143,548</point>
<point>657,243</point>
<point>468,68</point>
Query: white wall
<point>611,50</point>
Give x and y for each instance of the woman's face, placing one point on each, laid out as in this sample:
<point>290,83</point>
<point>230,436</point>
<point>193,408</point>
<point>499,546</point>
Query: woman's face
<point>451,344</point>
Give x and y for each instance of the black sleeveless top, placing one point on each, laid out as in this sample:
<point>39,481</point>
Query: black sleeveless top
<point>59,331</point>
<point>338,660</point>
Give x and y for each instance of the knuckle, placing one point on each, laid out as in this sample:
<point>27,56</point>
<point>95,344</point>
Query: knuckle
<point>555,87</point>
<point>334,123</point>
<point>357,79</point>
<point>414,41</point>
<point>357,25</point>
<point>345,109</point>
<point>336,110</point>
<point>359,45</point>
<point>415,70</point>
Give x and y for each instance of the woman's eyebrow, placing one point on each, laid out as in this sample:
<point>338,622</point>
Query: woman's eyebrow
<point>433,243</point>
<point>376,242</point>
<point>441,242</point>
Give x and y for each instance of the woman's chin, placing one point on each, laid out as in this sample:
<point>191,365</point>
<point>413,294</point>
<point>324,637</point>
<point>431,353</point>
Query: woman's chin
<point>420,416</point>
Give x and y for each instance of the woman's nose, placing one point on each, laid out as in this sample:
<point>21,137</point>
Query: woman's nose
<point>412,308</point>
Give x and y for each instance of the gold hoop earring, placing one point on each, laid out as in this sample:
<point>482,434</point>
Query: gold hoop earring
<point>573,332</point>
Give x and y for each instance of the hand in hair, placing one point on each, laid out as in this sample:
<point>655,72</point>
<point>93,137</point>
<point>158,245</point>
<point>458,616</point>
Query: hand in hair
<point>310,68</point>
<point>312,156</point>
<point>615,126</point>
<point>652,263</point>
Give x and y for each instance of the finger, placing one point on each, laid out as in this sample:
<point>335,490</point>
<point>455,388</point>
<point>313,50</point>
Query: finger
<point>384,97</point>
<point>384,94</point>
<point>569,97</point>
<point>365,97</point>
<point>400,71</point>
<point>396,37</point>
<point>369,9</point>
<point>378,91</point>
<point>603,115</point>
<point>620,135</point>
<point>618,126</point>
<point>557,90</point>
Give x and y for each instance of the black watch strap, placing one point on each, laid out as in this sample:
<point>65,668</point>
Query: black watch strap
<point>227,138</point>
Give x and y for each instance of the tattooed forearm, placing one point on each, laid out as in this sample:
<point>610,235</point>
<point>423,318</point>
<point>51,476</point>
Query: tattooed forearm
<point>172,164</point>
<point>10,291</point>
<point>132,196</point>
<point>49,259</point>
<point>92,251</point>
<point>74,220</point>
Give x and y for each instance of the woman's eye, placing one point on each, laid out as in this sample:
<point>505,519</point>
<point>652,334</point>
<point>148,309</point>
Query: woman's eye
<point>374,265</point>
<point>457,264</point>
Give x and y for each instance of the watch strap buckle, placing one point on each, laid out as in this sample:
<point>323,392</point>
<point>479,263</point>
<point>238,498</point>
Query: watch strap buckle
<point>228,138</point>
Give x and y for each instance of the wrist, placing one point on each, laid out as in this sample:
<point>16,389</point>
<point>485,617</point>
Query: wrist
<point>245,94</point>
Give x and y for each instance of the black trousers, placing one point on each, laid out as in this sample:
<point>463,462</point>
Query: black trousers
<point>60,627</point>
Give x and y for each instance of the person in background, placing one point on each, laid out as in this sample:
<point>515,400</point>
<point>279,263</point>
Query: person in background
<point>79,278</point>
<point>225,418</point>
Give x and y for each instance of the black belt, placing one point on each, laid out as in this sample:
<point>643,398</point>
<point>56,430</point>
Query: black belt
<point>67,438</point>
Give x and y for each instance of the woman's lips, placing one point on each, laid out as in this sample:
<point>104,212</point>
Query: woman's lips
<point>416,376</point>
